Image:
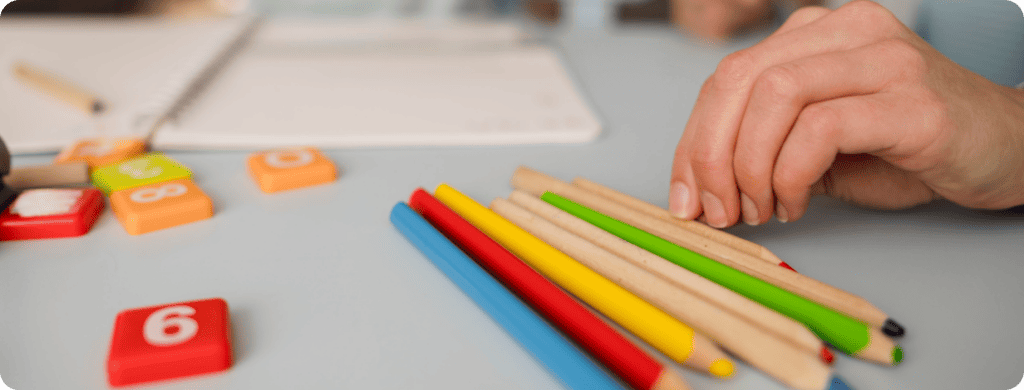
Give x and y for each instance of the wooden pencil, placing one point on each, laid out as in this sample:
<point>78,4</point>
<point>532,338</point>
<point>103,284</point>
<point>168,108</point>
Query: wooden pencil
<point>847,334</point>
<point>70,174</point>
<point>675,339</point>
<point>728,300</point>
<point>699,228</point>
<point>622,357</point>
<point>58,88</point>
<point>793,366</point>
<point>537,183</point>
<point>557,354</point>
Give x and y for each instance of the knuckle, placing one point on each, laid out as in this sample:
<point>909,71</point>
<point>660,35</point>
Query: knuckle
<point>706,160</point>
<point>748,172</point>
<point>819,121</point>
<point>907,56</point>
<point>872,14</point>
<point>807,14</point>
<point>780,83</point>
<point>784,181</point>
<point>734,70</point>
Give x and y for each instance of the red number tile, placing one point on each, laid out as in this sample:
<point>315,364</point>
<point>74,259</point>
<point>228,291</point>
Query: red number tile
<point>51,213</point>
<point>169,341</point>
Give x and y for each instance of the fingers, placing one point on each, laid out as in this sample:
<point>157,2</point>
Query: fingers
<point>782,91</point>
<point>802,17</point>
<point>717,19</point>
<point>704,157</point>
<point>850,125</point>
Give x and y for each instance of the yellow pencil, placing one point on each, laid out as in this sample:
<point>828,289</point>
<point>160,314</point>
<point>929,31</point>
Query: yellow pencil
<point>753,312</point>
<point>537,183</point>
<point>792,365</point>
<point>57,88</point>
<point>676,340</point>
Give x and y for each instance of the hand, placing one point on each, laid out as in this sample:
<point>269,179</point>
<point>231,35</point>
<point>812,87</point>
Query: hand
<point>852,104</point>
<point>718,19</point>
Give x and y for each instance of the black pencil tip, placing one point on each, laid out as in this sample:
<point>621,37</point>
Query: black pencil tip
<point>97,107</point>
<point>892,328</point>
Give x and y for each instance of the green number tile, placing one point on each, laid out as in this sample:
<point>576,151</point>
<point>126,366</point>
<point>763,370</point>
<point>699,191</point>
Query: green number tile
<point>147,169</point>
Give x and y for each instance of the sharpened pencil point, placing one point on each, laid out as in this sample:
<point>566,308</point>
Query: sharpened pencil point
<point>827,356</point>
<point>892,328</point>
<point>786,266</point>
<point>838,384</point>
<point>721,368</point>
<point>897,355</point>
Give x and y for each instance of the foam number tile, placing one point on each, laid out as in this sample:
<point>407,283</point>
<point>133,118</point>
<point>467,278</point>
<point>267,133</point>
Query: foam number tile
<point>169,341</point>
<point>147,169</point>
<point>279,170</point>
<point>51,213</point>
<point>160,206</point>
<point>98,152</point>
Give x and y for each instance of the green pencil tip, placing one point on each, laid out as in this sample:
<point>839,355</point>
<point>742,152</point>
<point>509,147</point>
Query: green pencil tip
<point>897,355</point>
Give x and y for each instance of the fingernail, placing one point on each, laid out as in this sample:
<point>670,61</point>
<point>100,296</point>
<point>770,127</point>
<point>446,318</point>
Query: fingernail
<point>749,210</point>
<point>713,209</point>
<point>780,213</point>
<point>679,200</point>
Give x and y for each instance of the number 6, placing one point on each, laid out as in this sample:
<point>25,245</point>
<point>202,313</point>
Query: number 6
<point>155,328</point>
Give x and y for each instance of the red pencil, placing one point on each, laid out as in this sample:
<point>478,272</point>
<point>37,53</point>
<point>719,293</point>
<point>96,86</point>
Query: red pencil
<point>626,360</point>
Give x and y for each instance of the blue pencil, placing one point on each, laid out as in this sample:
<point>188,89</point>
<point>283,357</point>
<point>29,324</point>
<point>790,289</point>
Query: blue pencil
<point>561,357</point>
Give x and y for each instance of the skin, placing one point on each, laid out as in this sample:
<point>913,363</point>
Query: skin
<point>851,104</point>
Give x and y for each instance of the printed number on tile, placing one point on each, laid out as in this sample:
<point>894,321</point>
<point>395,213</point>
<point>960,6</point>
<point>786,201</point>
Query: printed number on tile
<point>139,170</point>
<point>285,159</point>
<point>170,326</point>
<point>153,194</point>
<point>96,148</point>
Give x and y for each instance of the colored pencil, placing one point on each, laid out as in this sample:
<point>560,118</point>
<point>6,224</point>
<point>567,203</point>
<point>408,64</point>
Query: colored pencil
<point>673,338</point>
<point>847,334</point>
<point>771,321</point>
<point>58,88</point>
<point>634,366</point>
<point>793,366</point>
<point>560,357</point>
<point>696,227</point>
<point>536,183</point>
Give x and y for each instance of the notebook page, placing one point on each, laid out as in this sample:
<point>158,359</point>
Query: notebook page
<point>368,97</point>
<point>138,66</point>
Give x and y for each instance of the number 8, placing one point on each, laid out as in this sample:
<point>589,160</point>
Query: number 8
<point>147,195</point>
<point>155,328</point>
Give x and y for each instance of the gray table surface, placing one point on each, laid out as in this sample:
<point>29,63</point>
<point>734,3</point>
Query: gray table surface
<point>326,294</point>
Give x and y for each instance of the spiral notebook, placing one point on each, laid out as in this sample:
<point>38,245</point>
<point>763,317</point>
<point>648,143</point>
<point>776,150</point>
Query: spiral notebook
<point>140,67</point>
<point>331,83</point>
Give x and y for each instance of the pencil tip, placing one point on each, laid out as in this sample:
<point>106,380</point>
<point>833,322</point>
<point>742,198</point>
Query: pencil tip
<point>897,355</point>
<point>97,107</point>
<point>786,266</point>
<point>721,368</point>
<point>892,328</point>
<point>838,384</point>
<point>827,355</point>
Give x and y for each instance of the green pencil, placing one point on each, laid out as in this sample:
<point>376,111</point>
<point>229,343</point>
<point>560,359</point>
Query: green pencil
<point>847,334</point>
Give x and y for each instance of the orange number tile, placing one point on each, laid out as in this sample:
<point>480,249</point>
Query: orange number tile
<point>160,206</point>
<point>98,152</point>
<point>279,170</point>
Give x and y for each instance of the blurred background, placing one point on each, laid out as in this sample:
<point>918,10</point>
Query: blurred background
<point>986,36</point>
